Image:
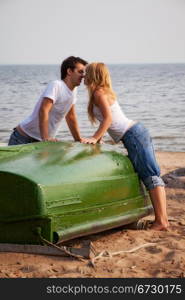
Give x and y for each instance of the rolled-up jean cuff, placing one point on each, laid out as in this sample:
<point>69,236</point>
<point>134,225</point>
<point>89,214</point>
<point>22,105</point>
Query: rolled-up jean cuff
<point>152,181</point>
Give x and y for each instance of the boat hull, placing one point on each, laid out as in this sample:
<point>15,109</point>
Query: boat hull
<point>60,191</point>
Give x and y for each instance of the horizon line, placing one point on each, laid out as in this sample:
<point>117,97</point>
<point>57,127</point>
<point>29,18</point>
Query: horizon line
<point>108,63</point>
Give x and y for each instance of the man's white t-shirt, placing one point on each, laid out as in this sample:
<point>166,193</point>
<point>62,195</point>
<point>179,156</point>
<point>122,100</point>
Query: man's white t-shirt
<point>63,98</point>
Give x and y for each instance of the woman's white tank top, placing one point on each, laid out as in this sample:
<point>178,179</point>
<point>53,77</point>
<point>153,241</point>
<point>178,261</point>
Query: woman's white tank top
<point>120,123</point>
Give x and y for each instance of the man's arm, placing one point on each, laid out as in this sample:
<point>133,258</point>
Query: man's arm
<point>71,119</point>
<point>44,110</point>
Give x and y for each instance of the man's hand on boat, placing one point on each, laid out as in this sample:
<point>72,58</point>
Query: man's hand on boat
<point>50,139</point>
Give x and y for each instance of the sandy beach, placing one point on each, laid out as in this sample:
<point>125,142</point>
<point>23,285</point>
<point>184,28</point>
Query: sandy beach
<point>143,253</point>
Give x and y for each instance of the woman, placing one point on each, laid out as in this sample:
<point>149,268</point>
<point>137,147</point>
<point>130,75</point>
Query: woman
<point>135,137</point>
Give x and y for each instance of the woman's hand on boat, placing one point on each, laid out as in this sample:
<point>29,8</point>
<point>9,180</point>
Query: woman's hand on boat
<point>91,141</point>
<point>83,140</point>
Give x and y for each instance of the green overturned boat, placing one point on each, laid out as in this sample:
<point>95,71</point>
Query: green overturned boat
<point>62,190</point>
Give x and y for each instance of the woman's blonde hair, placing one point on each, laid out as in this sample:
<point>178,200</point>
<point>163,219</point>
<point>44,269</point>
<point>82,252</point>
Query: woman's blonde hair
<point>97,77</point>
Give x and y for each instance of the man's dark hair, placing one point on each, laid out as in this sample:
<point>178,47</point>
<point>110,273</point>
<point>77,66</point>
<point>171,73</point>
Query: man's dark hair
<point>70,63</point>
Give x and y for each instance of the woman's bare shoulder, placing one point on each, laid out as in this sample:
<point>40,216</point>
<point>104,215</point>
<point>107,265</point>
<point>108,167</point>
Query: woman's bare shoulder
<point>99,92</point>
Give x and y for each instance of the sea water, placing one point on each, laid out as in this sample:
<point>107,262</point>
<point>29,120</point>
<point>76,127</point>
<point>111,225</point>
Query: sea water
<point>151,93</point>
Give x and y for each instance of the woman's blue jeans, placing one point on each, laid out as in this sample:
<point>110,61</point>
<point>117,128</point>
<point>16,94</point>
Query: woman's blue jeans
<point>140,149</point>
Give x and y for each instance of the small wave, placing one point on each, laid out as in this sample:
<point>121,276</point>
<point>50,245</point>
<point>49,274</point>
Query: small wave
<point>6,109</point>
<point>19,82</point>
<point>166,137</point>
<point>4,130</point>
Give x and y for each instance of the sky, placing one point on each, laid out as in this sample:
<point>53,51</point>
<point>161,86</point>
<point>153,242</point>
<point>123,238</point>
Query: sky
<point>112,31</point>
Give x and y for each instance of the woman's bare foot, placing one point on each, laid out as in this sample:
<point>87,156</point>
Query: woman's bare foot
<point>148,224</point>
<point>159,226</point>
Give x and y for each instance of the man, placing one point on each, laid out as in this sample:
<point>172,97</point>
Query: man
<point>57,101</point>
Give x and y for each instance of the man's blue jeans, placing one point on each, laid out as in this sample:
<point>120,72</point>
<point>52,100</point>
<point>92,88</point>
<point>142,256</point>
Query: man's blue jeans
<point>17,139</point>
